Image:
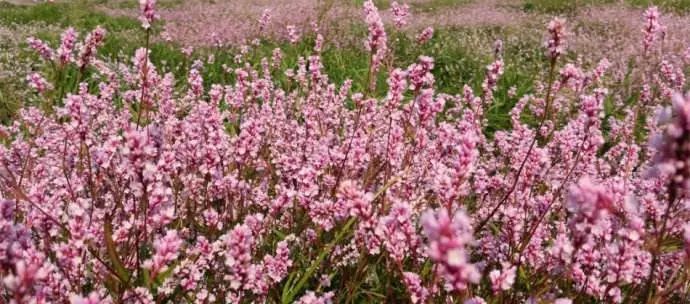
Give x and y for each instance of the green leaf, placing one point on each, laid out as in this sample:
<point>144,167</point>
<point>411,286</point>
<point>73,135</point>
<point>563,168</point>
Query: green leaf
<point>160,278</point>
<point>146,276</point>
<point>119,267</point>
<point>287,287</point>
<point>315,264</point>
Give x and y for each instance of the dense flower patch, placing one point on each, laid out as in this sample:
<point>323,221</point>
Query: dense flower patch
<point>135,187</point>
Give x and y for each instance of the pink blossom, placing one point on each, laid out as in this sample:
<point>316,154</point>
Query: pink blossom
<point>475,300</point>
<point>88,49</point>
<point>671,145</point>
<point>418,293</point>
<point>92,298</point>
<point>166,250</point>
<point>148,13</point>
<point>312,298</point>
<point>377,41</point>
<point>556,43</point>
<point>264,20</point>
<point>652,27</point>
<point>425,35</point>
<point>448,239</point>
<point>400,14</point>
<point>504,279</point>
<point>67,44</point>
<point>41,48</point>
<point>293,34</point>
<point>38,83</point>
<point>493,72</point>
<point>589,199</point>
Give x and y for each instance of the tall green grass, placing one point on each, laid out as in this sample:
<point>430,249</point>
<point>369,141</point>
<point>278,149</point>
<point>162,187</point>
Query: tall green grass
<point>571,6</point>
<point>456,64</point>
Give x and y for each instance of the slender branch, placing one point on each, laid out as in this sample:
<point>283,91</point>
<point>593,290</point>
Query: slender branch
<point>546,115</point>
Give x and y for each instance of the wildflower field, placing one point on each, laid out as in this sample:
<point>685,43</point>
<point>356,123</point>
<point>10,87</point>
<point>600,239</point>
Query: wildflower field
<point>344,151</point>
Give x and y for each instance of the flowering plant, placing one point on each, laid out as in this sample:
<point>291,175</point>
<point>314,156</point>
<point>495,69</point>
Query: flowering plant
<point>144,189</point>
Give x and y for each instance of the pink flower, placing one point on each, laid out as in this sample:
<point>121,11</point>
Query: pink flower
<point>377,41</point>
<point>652,27</point>
<point>355,200</point>
<point>264,20</point>
<point>67,43</point>
<point>418,293</point>
<point>38,83</point>
<point>293,34</point>
<point>397,233</point>
<point>148,13</point>
<point>311,298</point>
<point>419,74</point>
<point>448,239</point>
<point>425,35</point>
<point>556,42</point>
<point>41,48</point>
<point>400,14</point>
<point>166,250</point>
<point>672,145</point>
<point>277,266</point>
<point>88,50</point>
<point>589,200</point>
<point>92,298</point>
<point>502,280</point>
<point>475,300</point>
<point>493,72</point>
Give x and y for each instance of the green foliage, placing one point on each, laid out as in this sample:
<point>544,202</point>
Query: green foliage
<point>678,6</point>
<point>124,4</point>
<point>435,4</point>
<point>456,63</point>
<point>380,4</point>
<point>559,6</point>
<point>79,14</point>
<point>570,6</point>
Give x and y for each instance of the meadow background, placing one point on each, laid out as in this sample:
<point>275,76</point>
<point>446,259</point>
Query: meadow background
<point>463,43</point>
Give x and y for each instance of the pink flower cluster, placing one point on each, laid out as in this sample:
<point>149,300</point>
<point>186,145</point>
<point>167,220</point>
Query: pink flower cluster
<point>400,14</point>
<point>140,188</point>
<point>425,35</point>
<point>148,12</point>
<point>652,28</point>
<point>83,53</point>
<point>377,42</point>
<point>448,238</point>
<point>556,43</point>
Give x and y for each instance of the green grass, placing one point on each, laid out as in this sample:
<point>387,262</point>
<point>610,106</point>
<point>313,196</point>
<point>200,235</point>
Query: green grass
<point>456,64</point>
<point>433,5</point>
<point>133,4</point>
<point>79,14</point>
<point>678,6</point>
<point>570,6</point>
<point>559,6</point>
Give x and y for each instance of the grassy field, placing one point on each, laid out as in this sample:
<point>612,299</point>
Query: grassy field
<point>456,63</point>
<point>242,140</point>
<point>460,51</point>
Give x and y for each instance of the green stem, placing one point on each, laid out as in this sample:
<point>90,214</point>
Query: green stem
<point>315,264</point>
<point>142,106</point>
